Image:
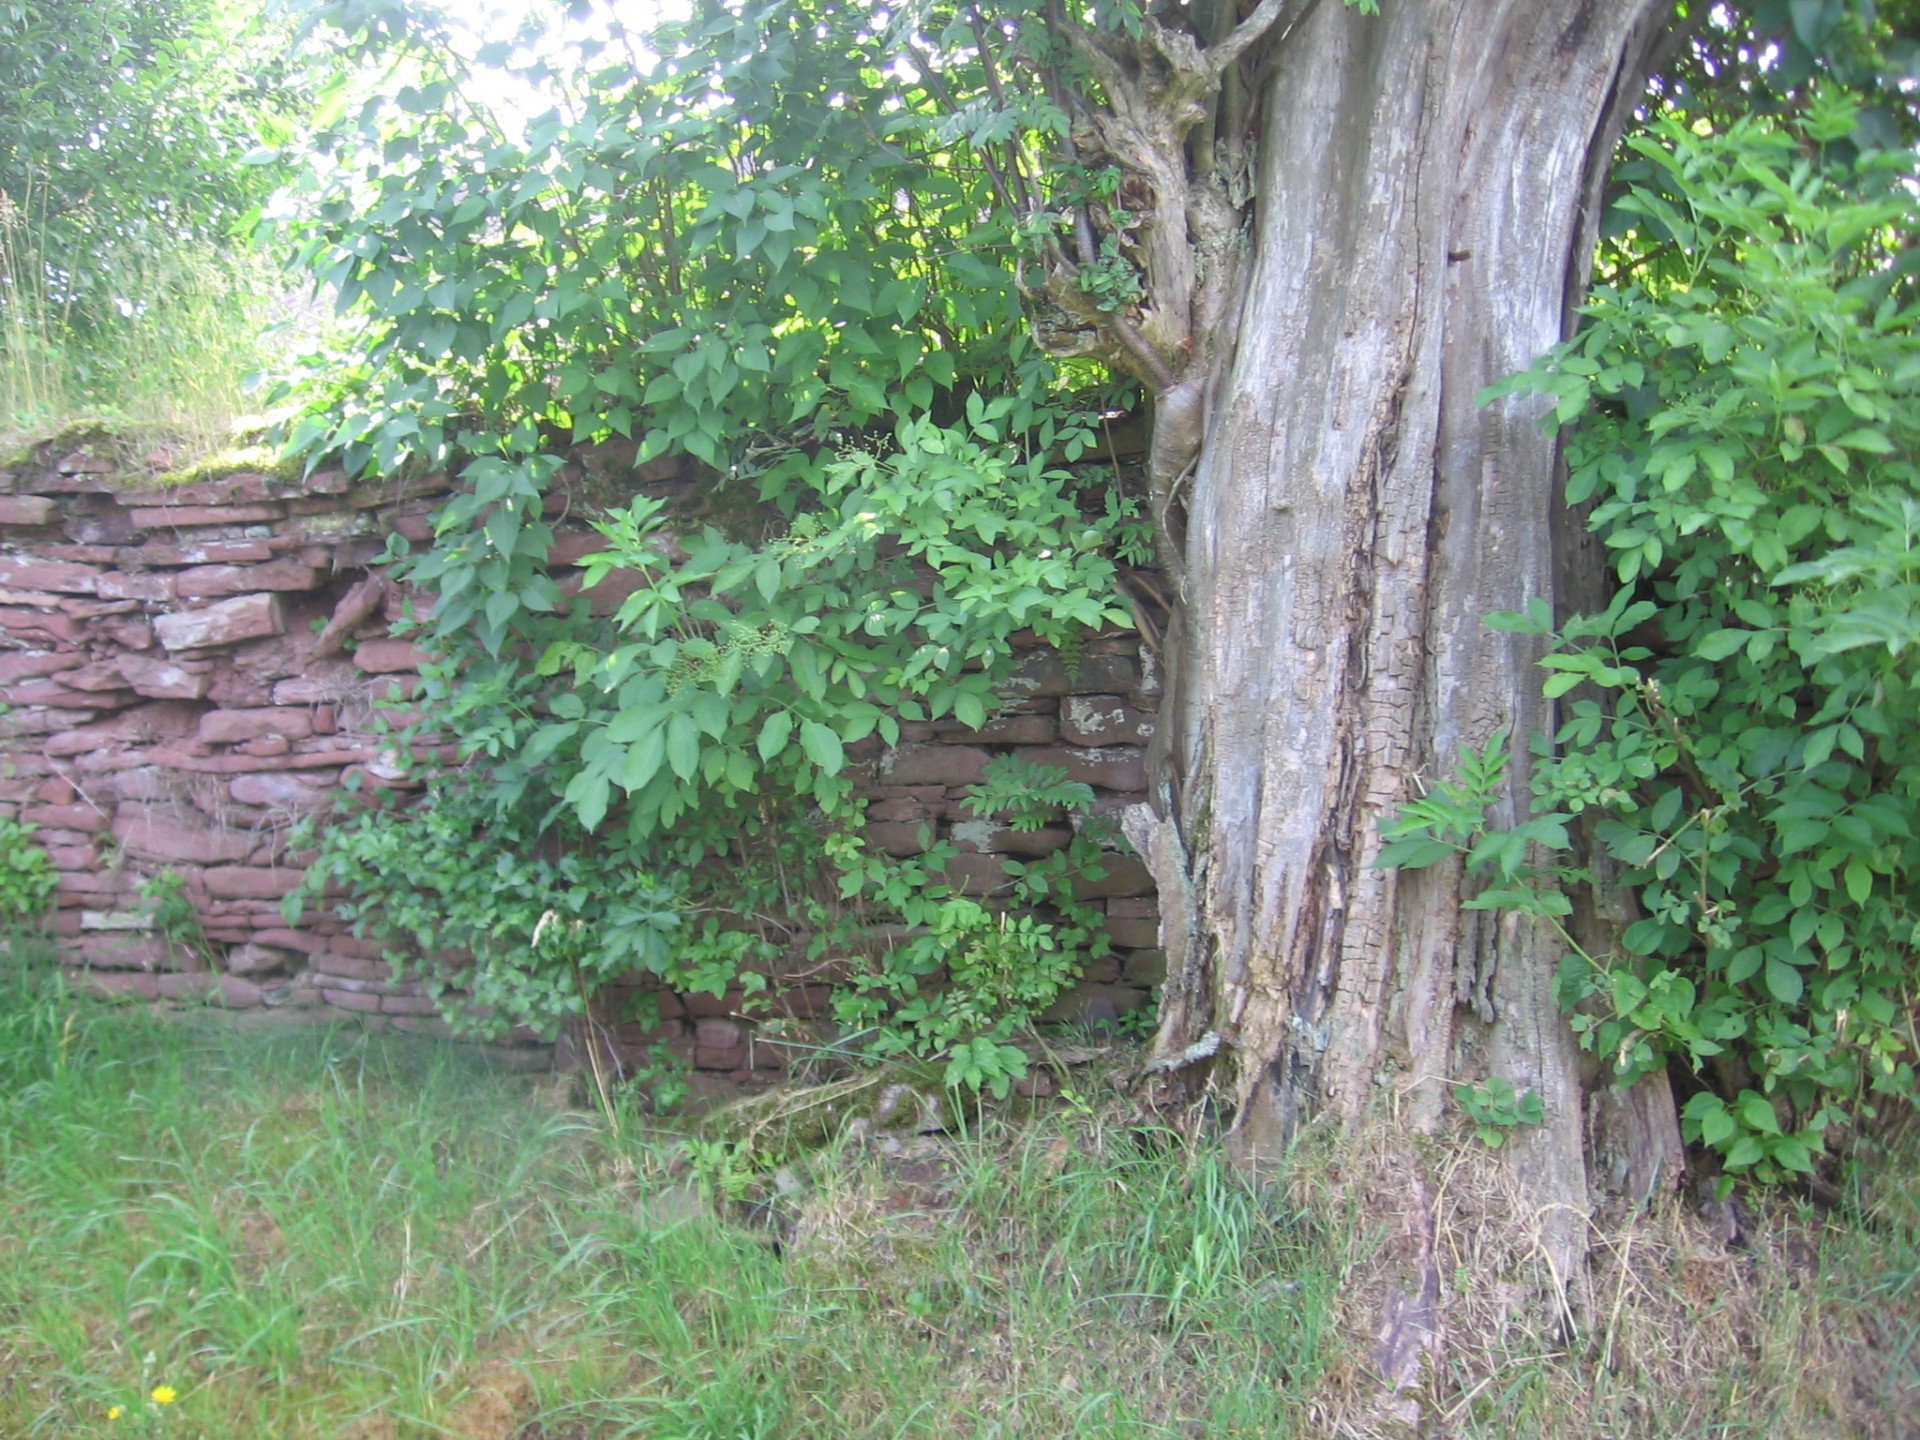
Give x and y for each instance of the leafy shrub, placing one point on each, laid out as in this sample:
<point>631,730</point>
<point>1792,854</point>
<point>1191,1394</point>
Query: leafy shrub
<point>833,328</point>
<point>676,801</point>
<point>27,877</point>
<point>1741,732</point>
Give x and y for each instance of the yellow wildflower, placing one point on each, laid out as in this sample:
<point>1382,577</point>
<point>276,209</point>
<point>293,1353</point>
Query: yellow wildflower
<point>165,1394</point>
<point>113,1412</point>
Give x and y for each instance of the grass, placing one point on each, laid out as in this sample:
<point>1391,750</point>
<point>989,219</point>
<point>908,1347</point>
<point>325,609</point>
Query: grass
<point>326,1233</point>
<point>168,377</point>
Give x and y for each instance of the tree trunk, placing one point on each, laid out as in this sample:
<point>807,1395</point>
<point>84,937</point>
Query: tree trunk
<point>1428,196</point>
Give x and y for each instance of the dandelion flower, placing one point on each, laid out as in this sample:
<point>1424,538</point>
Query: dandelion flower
<point>113,1412</point>
<point>165,1394</point>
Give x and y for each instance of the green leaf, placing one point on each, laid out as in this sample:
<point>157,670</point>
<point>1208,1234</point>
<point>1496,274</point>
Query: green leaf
<point>969,709</point>
<point>683,746</point>
<point>1758,1113</point>
<point>1721,644</point>
<point>1414,853</point>
<point>1859,880</point>
<point>643,760</point>
<point>1716,1127</point>
<point>822,747</point>
<point>589,793</point>
<point>774,734</point>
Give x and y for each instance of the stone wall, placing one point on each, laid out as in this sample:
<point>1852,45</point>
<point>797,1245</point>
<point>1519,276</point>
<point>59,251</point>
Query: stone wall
<point>187,671</point>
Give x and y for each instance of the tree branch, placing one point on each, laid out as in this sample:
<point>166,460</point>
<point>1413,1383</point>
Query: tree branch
<point>1266,15</point>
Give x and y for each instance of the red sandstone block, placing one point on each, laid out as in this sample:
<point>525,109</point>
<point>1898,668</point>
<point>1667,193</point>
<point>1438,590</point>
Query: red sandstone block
<point>1114,767</point>
<point>23,572</point>
<point>900,837</point>
<point>134,984</point>
<point>908,807</point>
<point>100,675</point>
<point>135,585</point>
<point>210,580</point>
<point>91,883</point>
<point>387,657</point>
<point>78,554</point>
<point>227,622</point>
<point>239,994</point>
<point>155,834</point>
<point>702,1006</point>
<point>350,967</point>
<point>162,720</point>
<point>175,757</point>
<point>571,546</point>
<point>708,1057</point>
<point>407,1005</point>
<point>129,634</point>
<point>719,1034</point>
<point>206,552</point>
<point>74,701</point>
<point>125,950</point>
<point>1123,875</point>
<point>977,875</point>
<point>932,765</point>
<point>351,1000</point>
<point>16,724</point>
<point>357,948</point>
<point>994,838</point>
<point>1127,934</point>
<point>40,629</point>
<point>166,679</point>
<point>305,941</point>
<point>1043,672</point>
<point>250,957</point>
<point>278,791</point>
<point>16,666</point>
<point>1103,720</point>
<point>437,1028</point>
<point>162,517</point>
<point>325,681</point>
<point>1007,730</point>
<point>197,988</point>
<point>234,727</point>
<point>29,510</point>
<point>84,818</point>
<point>245,882</point>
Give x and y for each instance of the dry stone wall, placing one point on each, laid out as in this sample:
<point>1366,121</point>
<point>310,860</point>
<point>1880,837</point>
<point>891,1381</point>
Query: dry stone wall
<point>185,672</point>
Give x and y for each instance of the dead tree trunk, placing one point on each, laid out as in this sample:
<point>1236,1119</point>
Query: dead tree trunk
<point>1425,219</point>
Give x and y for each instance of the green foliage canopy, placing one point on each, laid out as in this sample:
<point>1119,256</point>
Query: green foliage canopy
<point>125,127</point>
<point>776,253</point>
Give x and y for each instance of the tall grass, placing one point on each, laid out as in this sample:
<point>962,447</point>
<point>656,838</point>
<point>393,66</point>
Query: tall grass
<point>321,1233</point>
<point>169,371</point>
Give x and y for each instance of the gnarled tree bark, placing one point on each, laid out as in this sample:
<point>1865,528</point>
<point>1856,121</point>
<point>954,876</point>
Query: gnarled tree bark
<point>1426,215</point>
